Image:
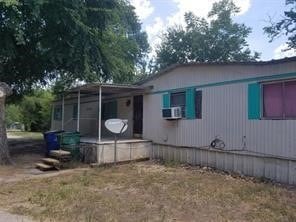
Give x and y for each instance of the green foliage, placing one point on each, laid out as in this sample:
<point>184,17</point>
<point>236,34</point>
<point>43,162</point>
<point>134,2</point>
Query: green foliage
<point>13,113</point>
<point>286,26</point>
<point>62,40</point>
<point>34,111</point>
<point>9,2</point>
<point>217,39</point>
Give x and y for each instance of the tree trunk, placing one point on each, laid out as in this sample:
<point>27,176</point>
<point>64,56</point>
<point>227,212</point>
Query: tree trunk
<point>4,152</point>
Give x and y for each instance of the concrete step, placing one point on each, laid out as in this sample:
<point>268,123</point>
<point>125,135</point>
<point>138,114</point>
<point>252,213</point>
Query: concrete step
<point>60,154</point>
<point>51,161</point>
<point>44,167</point>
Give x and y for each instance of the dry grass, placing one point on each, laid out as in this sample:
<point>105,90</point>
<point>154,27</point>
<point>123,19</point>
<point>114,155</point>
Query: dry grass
<point>148,192</point>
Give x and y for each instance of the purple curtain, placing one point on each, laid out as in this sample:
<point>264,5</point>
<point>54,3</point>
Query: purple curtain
<point>273,100</point>
<point>290,99</point>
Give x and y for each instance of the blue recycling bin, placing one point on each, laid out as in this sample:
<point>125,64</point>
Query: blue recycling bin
<point>51,139</point>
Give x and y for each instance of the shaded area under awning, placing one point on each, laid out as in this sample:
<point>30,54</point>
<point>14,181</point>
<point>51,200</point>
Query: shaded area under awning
<point>102,90</point>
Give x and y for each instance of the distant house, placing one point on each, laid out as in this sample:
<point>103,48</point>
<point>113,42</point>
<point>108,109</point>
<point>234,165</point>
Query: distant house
<point>245,110</point>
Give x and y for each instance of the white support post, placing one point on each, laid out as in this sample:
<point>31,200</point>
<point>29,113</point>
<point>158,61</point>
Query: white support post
<point>52,127</point>
<point>63,111</point>
<point>100,114</point>
<point>78,111</point>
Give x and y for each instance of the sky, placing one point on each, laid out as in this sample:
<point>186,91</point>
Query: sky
<point>157,15</point>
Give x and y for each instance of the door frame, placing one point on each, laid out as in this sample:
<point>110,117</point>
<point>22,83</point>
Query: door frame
<point>138,132</point>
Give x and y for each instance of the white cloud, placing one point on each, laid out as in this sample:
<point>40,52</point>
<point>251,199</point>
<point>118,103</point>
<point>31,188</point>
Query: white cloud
<point>143,8</point>
<point>154,32</point>
<point>244,5</point>
<point>155,29</point>
<point>200,8</point>
<point>281,52</point>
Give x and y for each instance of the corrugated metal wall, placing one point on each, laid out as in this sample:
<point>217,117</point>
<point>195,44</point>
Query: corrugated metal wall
<point>224,112</point>
<point>280,170</point>
<point>206,74</point>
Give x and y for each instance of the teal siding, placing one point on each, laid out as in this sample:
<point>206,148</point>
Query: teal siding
<point>166,100</point>
<point>190,103</point>
<point>254,101</point>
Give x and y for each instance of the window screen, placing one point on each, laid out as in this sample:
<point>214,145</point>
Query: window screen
<point>109,110</point>
<point>179,100</point>
<point>273,100</point>
<point>57,114</point>
<point>279,100</point>
<point>75,111</point>
<point>290,99</point>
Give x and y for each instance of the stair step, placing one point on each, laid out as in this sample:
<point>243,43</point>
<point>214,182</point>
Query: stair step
<point>60,153</point>
<point>51,161</point>
<point>43,167</point>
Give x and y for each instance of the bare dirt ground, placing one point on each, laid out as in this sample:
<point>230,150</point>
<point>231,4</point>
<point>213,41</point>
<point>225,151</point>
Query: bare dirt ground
<point>148,191</point>
<point>25,151</point>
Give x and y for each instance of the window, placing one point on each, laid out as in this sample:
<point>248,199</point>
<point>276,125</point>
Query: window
<point>75,111</point>
<point>190,102</point>
<point>57,114</point>
<point>290,99</point>
<point>279,100</point>
<point>109,110</point>
<point>198,104</point>
<point>179,100</point>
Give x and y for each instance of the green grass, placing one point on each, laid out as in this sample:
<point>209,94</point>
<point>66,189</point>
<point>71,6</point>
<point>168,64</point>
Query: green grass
<point>148,192</point>
<point>26,135</point>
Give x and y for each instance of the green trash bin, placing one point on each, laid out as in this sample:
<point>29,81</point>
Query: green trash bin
<point>69,141</point>
<point>69,138</point>
<point>74,149</point>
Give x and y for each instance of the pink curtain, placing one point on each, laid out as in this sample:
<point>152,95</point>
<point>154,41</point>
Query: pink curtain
<point>273,100</point>
<point>290,99</point>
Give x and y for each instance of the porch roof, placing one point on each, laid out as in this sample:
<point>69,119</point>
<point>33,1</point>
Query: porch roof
<point>102,90</point>
<point>107,88</point>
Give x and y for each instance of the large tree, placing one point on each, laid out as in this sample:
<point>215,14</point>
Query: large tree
<point>215,39</point>
<point>4,153</point>
<point>63,41</point>
<point>90,40</point>
<point>286,26</point>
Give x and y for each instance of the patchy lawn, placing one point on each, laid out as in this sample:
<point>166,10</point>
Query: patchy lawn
<point>148,192</point>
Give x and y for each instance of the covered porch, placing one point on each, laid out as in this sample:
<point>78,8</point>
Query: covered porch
<point>86,108</point>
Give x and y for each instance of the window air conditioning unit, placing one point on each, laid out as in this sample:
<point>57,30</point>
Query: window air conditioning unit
<point>172,113</point>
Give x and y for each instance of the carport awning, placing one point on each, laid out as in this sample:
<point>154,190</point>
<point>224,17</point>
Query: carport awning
<point>107,89</point>
<point>102,90</point>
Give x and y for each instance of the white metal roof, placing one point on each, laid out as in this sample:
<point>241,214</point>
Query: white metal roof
<point>107,88</point>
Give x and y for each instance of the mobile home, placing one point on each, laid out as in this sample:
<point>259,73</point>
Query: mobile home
<point>236,116</point>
